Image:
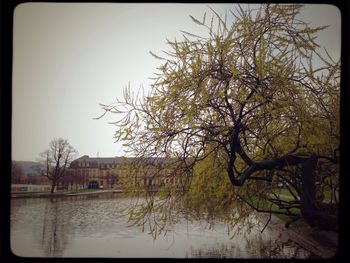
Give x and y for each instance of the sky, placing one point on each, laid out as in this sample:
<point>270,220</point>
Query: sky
<point>70,57</point>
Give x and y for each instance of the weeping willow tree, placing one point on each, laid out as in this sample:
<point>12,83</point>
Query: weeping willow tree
<point>247,116</point>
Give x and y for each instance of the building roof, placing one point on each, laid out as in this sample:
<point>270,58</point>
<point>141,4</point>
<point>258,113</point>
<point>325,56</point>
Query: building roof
<point>95,162</point>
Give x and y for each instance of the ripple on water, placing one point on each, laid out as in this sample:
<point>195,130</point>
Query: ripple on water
<point>92,227</point>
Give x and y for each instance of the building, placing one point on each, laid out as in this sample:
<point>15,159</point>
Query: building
<point>114,172</point>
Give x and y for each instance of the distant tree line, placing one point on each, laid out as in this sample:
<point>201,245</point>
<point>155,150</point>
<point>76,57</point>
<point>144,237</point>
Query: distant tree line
<point>19,177</point>
<point>70,180</point>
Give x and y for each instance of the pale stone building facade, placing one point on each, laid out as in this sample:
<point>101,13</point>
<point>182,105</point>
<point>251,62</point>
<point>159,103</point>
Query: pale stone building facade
<point>109,172</point>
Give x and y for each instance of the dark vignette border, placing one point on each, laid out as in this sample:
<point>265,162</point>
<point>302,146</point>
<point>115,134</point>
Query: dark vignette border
<point>7,8</point>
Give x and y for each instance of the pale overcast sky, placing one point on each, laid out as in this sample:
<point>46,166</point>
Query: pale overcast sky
<point>69,57</point>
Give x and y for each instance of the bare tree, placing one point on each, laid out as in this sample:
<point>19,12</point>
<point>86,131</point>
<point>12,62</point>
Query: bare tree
<point>55,160</point>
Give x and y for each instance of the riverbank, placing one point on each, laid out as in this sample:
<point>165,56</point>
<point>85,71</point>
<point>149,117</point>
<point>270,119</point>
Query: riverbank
<point>61,194</point>
<point>321,243</point>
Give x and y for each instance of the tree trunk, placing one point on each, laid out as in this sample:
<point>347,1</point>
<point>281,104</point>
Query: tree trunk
<point>53,185</point>
<point>309,211</point>
<point>308,188</point>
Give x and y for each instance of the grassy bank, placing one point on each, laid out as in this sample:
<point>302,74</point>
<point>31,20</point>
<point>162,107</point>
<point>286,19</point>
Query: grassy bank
<point>72,191</point>
<point>274,208</point>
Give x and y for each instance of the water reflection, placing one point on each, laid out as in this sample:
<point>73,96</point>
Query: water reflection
<point>54,237</point>
<point>270,249</point>
<point>90,226</point>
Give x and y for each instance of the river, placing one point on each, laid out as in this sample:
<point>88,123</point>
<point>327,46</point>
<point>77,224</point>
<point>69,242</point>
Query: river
<point>90,227</point>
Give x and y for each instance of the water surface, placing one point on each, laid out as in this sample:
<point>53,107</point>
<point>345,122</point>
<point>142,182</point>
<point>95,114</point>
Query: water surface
<point>90,226</point>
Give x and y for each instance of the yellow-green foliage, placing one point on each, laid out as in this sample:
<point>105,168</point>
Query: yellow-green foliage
<point>210,191</point>
<point>252,84</point>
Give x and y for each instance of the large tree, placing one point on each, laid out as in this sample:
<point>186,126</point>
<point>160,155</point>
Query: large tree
<point>55,161</point>
<point>257,101</point>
